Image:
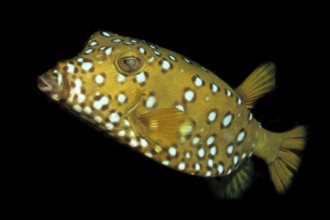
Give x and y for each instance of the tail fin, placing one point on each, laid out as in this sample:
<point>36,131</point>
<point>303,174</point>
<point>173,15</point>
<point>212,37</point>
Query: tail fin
<point>279,150</point>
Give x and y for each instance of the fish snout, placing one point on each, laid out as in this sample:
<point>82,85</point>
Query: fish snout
<point>44,84</point>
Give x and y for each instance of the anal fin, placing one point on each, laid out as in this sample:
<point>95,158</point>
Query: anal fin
<point>233,186</point>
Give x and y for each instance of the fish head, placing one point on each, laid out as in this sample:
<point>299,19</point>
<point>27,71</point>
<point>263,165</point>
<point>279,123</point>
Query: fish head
<point>108,76</point>
<point>55,84</point>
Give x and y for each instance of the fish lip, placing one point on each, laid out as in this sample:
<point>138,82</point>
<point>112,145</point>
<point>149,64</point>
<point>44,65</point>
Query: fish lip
<point>44,85</point>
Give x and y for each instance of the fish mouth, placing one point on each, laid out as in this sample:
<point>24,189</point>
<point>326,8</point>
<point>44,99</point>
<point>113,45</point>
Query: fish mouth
<point>44,84</point>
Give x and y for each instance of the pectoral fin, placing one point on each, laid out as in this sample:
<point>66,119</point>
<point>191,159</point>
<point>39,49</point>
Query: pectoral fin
<point>162,126</point>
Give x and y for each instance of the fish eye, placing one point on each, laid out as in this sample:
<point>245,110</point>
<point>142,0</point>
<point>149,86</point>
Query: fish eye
<point>129,64</point>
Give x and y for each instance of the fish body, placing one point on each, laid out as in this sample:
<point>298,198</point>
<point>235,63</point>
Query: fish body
<point>165,106</point>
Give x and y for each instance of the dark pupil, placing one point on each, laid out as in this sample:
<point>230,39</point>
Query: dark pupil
<point>130,62</point>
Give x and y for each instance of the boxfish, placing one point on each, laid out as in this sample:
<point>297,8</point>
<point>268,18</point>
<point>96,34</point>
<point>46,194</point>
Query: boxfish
<point>175,111</point>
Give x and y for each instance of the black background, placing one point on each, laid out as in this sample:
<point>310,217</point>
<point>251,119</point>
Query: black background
<point>55,157</point>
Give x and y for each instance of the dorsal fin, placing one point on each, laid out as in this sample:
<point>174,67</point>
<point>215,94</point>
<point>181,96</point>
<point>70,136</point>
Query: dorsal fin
<point>257,84</point>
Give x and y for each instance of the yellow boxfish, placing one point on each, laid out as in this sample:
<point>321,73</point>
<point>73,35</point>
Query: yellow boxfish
<point>174,111</point>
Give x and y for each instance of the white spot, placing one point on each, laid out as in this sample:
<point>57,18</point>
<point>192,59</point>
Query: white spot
<point>166,162</point>
<point>70,68</point>
<point>103,101</point>
<point>239,101</point>
<point>121,133</point>
<point>235,159</point>
<point>89,51</point>
<point>121,98</point>
<point>102,48</point>
<point>250,116</point>
<point>172,151</point>
<point>229,171</point>
<point>213,151</point>
<point>140,78</point>
<point>228,93</point>
<point>87,66</point>
<point>197,167</point>
<point>210,163</point>
<point>142,50</point>
<point>98,119</point>
<point>114,117</point>
<point>132,134</point>
<point>172,57</point>
<point>81,98</point>
<point>99,79</point>
<point>239,115</point>
<point>230,149</point>
<point>204,69</point>
<point>166,65</point>
<point>134,143</point>
<point>152,59</point>
<point>241,136</point>
<point>80,60</point>
<point>77,108</point>
<point>198,81</point>
<point>126,123</point>
<point>243,156</point>
<point>157,52</point>
<point>78,83</point>
<point>187,60</point>
<point>250,155</point>
<point>108,51</point>
<point>121,78</point>
<point>109,126</point>
<point>212,116</point>
<point>144,143</point>
<point>201,152</point>
<point>117,40</point>
<point>210,140</point>
<point>148,154</point>
<point>134,41</point>
<point>195,140</point>
<point>220,169</point>
<point>208,173</point>
<point>106,34</point>
<point>152,46</point>
<point>189,95</point>
<point>87,110</point>
<point>151,101</point>
<point>59,79</point>
<point>188,155</point>
<point>207,98</point>
<point>227,120</point>
<point>93,43</point>
<point>182,166</point>
<point>180,107</point>
<point>215,88</point>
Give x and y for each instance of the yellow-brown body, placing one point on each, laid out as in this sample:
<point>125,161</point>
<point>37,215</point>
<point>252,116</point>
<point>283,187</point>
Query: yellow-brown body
<point>160,103</point>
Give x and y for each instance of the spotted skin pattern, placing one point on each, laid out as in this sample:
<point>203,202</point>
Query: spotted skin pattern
<point>222,132</point>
